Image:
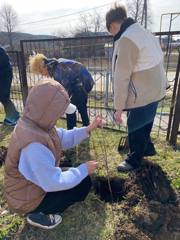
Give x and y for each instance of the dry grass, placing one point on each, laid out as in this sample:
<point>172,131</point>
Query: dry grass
<point>92,219</point>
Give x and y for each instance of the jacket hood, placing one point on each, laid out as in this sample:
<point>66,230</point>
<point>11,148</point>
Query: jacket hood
<point>46,103</point>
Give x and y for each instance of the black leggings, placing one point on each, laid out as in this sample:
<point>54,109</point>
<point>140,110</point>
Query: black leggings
<point>57,202</point>
<point>79,99</point>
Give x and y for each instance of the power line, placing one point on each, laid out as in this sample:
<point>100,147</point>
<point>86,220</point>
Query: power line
<point>42,26</point>
<point>66,15</point>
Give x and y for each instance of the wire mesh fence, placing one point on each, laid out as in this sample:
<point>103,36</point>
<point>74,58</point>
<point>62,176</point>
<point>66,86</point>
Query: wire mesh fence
<point>16,86</point>
<point>95,53</point>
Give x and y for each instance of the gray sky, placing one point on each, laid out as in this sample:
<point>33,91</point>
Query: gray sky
<point>33,10</point>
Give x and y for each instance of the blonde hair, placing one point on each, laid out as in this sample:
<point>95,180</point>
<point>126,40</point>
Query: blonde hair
<point>36,63</point>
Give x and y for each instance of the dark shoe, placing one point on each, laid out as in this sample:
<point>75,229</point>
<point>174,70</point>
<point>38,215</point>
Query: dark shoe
<point>124,167</point>
<point>9,122</point>
<point>44,221</point>
<point>150,152</point>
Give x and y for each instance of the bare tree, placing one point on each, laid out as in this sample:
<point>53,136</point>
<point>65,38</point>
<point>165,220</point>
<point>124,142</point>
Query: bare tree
<point>89,23</point>
<point>135,9</point>
<point>84,25</point>
<point>97,24</point>
<point>8,21</point>
<point>140,11</point>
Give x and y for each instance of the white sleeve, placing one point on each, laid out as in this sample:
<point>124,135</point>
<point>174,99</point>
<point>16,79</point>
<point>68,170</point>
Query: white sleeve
<point>127,55</point>
<point>37,164</point>
<point>70,138</point>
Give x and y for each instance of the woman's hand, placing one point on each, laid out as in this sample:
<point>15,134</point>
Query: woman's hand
<point>118,116</point>
<point>97,122</point>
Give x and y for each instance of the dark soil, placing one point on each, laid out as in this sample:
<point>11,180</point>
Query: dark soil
<point>146,199</point>
<point>148,202</point>
<point>114,193</point>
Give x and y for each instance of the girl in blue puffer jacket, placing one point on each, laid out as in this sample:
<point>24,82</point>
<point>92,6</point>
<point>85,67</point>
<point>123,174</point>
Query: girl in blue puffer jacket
<point>73,76</point>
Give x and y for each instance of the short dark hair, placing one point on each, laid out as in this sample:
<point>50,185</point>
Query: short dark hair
<point>116,14</point>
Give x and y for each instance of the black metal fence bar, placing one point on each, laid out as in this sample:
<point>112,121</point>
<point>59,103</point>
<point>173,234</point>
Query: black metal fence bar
<point>176,120</point>
<point>173,99</point>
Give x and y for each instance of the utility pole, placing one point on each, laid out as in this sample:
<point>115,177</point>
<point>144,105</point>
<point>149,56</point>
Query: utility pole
<point>144,14</point>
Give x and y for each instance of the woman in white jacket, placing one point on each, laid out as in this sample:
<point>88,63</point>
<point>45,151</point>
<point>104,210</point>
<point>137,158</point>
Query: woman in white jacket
<point>139,82</point>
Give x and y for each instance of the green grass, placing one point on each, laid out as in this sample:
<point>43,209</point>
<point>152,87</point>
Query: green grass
<point>165,105</point>
<point>5,131</point>
<point>92,219</point>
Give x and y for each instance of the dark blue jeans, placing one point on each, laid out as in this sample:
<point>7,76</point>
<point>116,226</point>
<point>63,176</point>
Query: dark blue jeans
<point>140,122</point>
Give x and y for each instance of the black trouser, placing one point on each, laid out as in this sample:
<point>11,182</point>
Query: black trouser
<point>5,87</point>
<point>140,122</point>
<point>57,202</point>
<point>79,99</point>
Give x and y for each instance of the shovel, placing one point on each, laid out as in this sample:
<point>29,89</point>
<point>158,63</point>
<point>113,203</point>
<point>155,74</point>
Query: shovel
<point>123,144</point>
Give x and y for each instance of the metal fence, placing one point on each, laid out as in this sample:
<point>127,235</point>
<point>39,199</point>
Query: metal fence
<point>17,82</point>
<point>95,53</point>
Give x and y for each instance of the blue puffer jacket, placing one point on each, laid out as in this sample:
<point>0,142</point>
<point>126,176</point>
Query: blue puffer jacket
<point>71,74</point>
<point>6,76</point>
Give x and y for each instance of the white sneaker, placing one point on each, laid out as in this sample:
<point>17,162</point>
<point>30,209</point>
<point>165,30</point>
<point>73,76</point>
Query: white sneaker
<point>44,221</point>
<point>124,167</point>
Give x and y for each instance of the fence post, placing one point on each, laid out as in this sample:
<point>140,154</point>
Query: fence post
<point>176,120</point>
<point>174,117</point>
<point>23,75</point>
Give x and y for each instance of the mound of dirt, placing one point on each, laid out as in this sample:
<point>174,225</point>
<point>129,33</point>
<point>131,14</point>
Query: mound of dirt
<point>153,183</point>
<point>3,152</point>
<point>147,199</point>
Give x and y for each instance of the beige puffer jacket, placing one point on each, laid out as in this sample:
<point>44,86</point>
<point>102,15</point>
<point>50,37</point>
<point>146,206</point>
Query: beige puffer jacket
<point>46,103</point>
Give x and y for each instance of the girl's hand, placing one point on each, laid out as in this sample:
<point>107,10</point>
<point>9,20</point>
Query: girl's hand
<point>91,166</point>
<point>97,122</point>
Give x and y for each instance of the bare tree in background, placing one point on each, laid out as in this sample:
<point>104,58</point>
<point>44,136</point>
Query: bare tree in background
<point>83,28</point>
<point>89,24</point>
<point>139,10</point>
<point>8,21</point>
<point>84,25</point>
<point>92,23</point>
<point>97,22</point>
<point>135,9</point>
